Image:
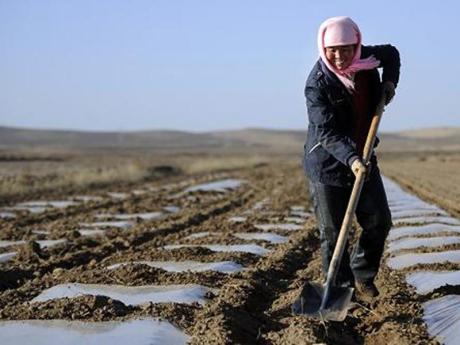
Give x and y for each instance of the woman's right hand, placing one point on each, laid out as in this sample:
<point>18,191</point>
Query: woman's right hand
<point>357,166</point>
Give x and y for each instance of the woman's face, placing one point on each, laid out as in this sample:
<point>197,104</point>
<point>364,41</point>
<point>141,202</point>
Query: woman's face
<point>340,56</point>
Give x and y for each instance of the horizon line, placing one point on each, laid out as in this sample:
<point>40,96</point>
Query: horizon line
<point>102,131</point>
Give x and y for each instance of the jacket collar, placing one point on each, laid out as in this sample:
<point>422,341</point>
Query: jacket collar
<point>330,76</point>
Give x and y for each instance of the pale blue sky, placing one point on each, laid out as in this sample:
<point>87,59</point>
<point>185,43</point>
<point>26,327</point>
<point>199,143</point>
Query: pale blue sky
<point>204,65</point>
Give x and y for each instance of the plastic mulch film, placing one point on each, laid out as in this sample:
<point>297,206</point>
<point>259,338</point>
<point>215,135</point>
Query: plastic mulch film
<point>442,317</point>
<point>412,243</point>
<point>411,259</point>
<point>427,281</point>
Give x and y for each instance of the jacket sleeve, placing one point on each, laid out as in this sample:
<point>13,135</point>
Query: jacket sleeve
<point>321,118</point>
<point>389,60</point>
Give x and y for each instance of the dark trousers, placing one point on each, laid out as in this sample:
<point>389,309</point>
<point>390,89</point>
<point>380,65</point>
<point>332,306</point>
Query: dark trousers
<point>373,215</point>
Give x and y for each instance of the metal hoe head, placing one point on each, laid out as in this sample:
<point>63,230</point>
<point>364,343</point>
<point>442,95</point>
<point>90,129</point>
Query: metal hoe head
<point>311,298</point>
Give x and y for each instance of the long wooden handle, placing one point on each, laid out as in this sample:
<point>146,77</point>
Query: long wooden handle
<point>354,197</point>
<point>370,140</point>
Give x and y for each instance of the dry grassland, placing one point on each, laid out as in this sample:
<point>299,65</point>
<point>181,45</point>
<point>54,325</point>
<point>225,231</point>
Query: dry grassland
<point>24,176</point>
<point>432,175</point>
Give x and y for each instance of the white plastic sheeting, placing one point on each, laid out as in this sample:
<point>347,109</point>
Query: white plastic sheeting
<point>432,229</point>
<point>139,192</point>
<point>129,295</point>
<point>37,206</point>
<point>427,281</point>
<point>237,219</point>
<point>297,220</point>
<point>417,206</point>
<point>297,208</point>
<point>60,332</point>
<point>4,257</point>
<point>198,235</point>
<point>42,243</point>
<point>41,232</point>
<point>410,213</point>
<point>407,260</point>
<point>7,215</point>
<point>182,266</point>
<point>216,186</point>
<point>91,232</point>
<point>263,236</point>
<point>260,205</point>
<point>426,220</point>
<point>171,209</point>
<point>412,243</point>
<point>299,211</point>
<point>31,209</point>
<point>245,248</point>
<point>4,243</point>
<point>279,226</point>
<point>114,224</point>
<point>396,190</point>
<point>87,198</point>
<point>50,243</point>
<point>49,203</point>
<point>301,214</point>
<point>118,195</point>
<point>442,316</point>
<point>121,216</point>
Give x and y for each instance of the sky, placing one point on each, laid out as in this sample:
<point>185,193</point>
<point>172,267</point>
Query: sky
<point>209,64</point>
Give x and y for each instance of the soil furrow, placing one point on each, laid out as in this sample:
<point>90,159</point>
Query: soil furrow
<point>249,306</point>
<point>73,256</point>
<point>237,316</point>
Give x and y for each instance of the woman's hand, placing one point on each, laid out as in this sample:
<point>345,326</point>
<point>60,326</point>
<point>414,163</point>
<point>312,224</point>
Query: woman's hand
<point>388,89</point>
<point>357,166</point>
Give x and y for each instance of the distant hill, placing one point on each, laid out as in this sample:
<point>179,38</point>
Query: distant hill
<point>432,133</point>
<point>426,139</point>
<point>259,137</point>
<point>17,137</point>
<point>244,139</point>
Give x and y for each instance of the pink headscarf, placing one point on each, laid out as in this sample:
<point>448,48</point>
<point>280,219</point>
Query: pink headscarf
<point>338,31</point>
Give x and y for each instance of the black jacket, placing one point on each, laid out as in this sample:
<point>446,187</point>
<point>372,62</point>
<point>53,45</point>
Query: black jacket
<point>329,145</point>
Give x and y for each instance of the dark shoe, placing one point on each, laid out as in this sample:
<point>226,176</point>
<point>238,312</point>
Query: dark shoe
<point>367,291</point>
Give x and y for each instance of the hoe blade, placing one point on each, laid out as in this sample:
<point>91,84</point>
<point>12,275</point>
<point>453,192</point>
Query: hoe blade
<point>309,302</point>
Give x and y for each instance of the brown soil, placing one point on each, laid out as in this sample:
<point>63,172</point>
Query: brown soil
<point>251,307</point>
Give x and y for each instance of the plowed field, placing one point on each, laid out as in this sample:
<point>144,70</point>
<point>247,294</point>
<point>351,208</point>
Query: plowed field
<point>246,303</point>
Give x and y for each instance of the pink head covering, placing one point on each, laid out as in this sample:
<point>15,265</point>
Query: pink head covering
<point>339,31</point>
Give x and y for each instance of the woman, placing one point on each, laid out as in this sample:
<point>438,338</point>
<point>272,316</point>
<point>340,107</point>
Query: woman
<point>342,92</point>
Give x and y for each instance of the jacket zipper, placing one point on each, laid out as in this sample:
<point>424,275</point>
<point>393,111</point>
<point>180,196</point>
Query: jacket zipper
<point>314,147</point>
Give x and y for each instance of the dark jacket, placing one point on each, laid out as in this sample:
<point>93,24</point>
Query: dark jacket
<point>329,145</point>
